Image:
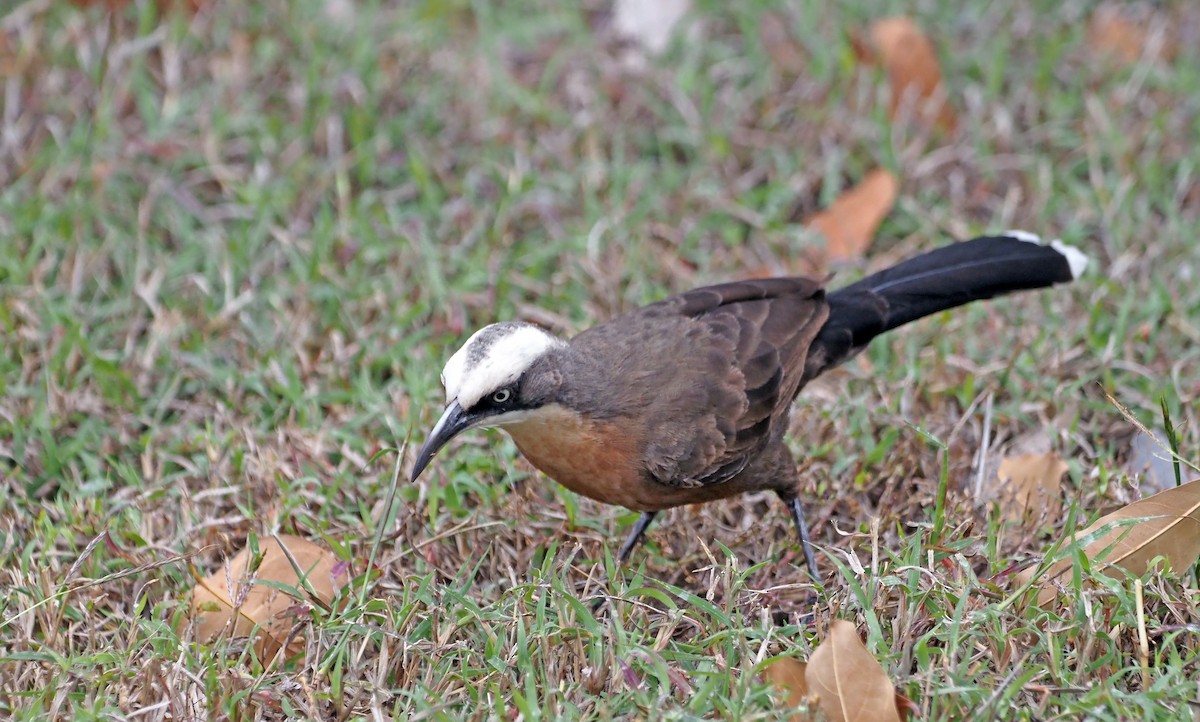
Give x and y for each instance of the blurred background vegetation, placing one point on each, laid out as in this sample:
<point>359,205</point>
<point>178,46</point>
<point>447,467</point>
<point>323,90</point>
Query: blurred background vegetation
<point>238,240</point>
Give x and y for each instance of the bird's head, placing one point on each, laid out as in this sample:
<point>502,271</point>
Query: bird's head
<point>486,383</point>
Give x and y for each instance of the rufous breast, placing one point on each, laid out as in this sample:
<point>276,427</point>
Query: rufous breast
<point>598,459</point>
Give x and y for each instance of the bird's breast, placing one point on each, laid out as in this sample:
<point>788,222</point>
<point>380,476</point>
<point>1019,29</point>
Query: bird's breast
<point>599,459</point>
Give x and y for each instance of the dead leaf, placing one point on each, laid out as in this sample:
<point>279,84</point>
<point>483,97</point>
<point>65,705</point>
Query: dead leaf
<point>1030,486</point>
<point>650,24</point>
<point>1150,463</point>
<point>1034,441</point>
<point>236,595</point>
<point>914,74</point>
<point>850,684</point>
<point>788,674</point>
<point>1115,35</point>
<point>1168,526</point>
<point>850,222</point>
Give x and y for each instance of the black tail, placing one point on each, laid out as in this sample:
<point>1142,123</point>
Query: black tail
<point>935,281</point>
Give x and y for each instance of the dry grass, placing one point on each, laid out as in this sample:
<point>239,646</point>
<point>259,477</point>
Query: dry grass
<point>239,245</point>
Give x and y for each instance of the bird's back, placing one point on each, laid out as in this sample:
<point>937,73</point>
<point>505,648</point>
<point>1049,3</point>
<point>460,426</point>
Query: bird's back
<point>705,374</point>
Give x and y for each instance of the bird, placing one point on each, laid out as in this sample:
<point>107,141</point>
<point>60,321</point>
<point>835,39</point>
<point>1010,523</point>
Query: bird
<point>687,400</point>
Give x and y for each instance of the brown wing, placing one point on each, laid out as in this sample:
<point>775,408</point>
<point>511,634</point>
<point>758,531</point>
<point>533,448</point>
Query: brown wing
<point>708,370</point>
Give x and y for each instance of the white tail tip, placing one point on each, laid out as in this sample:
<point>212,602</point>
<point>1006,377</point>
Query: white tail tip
<point>1075,258</point>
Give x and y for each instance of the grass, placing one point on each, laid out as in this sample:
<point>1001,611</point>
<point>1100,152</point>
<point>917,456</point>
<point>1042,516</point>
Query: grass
<point>237,248</point>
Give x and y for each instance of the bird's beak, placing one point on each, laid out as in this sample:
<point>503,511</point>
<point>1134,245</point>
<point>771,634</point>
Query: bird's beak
<point>453,421</point>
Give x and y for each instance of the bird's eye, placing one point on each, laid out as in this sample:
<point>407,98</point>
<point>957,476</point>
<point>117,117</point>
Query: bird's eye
<point>502,396</point>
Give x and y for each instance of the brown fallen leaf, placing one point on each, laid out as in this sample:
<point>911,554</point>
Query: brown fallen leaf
<point>851,686</point>
<point>788,674</point>
<point>1167,525</point>
<point>1115,35</point>
<point>1030,486</point>
<point>235,600</point>
<point>850,222</point>
<point>914,74</point>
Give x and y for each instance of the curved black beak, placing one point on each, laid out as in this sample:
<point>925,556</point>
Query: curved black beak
<point>453,421</point>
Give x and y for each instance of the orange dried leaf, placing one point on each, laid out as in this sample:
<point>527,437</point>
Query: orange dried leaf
<point>1164,525</point>
<point>1030,485</point>
<point>914,74</point>
<point>850,222</point>
<point>1113,34</point>
<point>788,674</point>
<point>234,599</point>
<point>850,684</point>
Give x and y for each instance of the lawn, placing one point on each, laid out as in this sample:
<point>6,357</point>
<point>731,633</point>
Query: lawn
<point>238,244</point>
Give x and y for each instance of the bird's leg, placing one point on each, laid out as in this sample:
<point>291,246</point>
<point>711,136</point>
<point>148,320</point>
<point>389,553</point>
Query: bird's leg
<point>635,536</point>
<point>793,503</point>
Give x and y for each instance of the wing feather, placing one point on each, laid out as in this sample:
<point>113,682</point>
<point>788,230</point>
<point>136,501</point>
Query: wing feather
<point>753,337</point>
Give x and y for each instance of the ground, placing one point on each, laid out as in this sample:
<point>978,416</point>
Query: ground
<point>238,243</point>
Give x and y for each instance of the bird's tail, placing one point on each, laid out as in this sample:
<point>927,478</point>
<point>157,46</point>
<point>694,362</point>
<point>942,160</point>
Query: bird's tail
<point>935,281</point>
